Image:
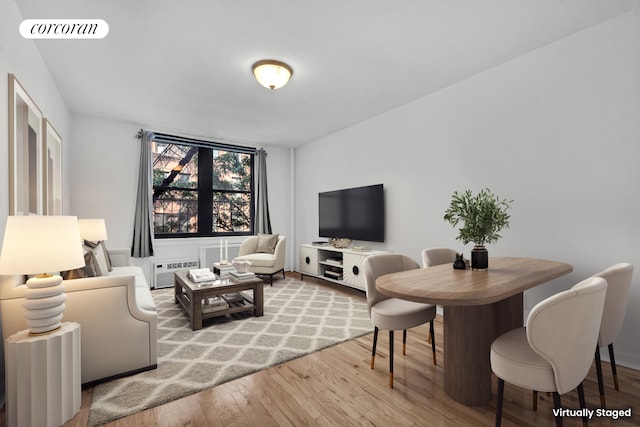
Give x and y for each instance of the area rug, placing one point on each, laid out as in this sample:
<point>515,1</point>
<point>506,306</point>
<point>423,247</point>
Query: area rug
<point>299,318</point>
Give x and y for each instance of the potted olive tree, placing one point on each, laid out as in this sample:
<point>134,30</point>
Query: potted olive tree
<point>483,216</point>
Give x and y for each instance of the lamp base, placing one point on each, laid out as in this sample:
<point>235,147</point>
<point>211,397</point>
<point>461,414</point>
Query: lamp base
<point>44,303</point>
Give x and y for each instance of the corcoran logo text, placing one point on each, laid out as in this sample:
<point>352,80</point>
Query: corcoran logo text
<point>64,29</point>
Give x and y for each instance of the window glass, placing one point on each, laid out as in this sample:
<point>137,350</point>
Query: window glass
<point>200,190</point>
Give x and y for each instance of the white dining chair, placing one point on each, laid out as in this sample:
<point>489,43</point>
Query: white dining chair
<point>554,352</point>
<point>618,278</point>
<point>394,313</point>
<point>438,256</point>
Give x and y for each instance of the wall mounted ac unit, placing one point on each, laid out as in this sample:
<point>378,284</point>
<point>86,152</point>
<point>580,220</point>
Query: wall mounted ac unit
<point>163,271</point>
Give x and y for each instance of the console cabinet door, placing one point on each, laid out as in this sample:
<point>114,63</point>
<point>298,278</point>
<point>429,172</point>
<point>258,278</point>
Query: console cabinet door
<point>352,270</point>
<point>308,262</point>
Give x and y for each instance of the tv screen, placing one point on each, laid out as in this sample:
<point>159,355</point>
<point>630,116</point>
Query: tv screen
<point>353,213</point>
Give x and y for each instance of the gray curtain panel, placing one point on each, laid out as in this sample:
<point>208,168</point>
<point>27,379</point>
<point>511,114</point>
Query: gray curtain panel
<point>142,246</point>
<point>263,222</point>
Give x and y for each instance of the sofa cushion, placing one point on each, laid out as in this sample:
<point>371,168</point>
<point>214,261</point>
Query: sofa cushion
<point>143,293</point>
<point>144,298</point>
<point>258,259</point>
<point>267,243</point>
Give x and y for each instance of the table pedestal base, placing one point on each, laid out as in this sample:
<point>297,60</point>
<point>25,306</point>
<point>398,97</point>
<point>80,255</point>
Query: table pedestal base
<point>468,334</point>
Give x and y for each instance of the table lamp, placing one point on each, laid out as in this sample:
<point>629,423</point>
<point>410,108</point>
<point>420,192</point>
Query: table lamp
<point>40,245</point>
<point>93,229</point>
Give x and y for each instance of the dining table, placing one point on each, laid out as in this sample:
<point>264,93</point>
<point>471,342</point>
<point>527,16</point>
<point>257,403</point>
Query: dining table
<point>478,306</point>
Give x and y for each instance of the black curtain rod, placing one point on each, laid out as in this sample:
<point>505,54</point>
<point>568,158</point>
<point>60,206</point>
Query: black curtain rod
<point>164,137</point>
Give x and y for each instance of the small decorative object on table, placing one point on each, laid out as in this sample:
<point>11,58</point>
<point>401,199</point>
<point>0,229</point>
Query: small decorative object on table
<point>459,263</point>
<point>241,266</point>
<point>483,215</point>
<point>339,242</point>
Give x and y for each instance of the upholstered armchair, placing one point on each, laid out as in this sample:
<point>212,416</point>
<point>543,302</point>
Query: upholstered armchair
<point>266,252</point>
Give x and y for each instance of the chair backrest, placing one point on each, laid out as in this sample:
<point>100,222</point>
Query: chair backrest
<point>618,279</point>
<point>438,256</point>
<point>379,265</point>
<point>563,329</point>
<point>249,245</point>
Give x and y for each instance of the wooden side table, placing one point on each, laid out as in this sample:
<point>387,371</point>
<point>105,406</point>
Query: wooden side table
<point>43,377</point>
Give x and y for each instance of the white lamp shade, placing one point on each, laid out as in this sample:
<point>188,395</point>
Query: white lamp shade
<point>272,74</point>
<point>93,230</point>
<point>41,244</point>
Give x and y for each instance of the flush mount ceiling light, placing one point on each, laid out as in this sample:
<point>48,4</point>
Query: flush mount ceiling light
<point>272,74</point>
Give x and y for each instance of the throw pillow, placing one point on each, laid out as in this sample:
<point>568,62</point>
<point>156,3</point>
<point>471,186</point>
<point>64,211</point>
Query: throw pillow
<point>106,254</point>
<point>87,271</point>
<point>267,243</point>
<point>99,257</point>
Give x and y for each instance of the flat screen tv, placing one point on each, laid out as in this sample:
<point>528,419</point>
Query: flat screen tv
<point>352,213</point>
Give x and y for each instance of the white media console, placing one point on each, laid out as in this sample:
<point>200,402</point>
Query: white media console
<point>342,266</point>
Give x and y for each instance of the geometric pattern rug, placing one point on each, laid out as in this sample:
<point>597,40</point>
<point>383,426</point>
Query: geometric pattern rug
<point>299,318</point>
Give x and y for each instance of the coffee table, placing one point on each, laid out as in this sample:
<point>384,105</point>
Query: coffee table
<point>190,295</point>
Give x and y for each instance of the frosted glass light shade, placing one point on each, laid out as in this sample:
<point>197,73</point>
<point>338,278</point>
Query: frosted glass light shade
<point>93,230</point>
<point>41,244</point>
<point>272,74</point>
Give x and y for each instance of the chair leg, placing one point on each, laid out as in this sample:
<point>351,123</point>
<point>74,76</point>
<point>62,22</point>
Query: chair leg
<point>583,404</point>
<point>391,359</point>
<point>534,404</point>
<point>375,343</point>
<point>613,367</point>
<point>499,402</point>
<point>599,375</point>
<point>283,276</point>
<point>404,342</point>
<point>556,405</point>
<point>433,342</point>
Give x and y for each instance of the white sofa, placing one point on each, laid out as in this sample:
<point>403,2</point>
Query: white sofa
<point>116,313</point>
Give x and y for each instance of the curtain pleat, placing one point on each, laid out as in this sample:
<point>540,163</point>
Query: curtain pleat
<point>263,221</point>
<point>142,246</point>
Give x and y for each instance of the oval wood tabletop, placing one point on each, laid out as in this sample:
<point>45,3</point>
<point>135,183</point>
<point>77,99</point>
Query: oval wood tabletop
<point>442,284</point>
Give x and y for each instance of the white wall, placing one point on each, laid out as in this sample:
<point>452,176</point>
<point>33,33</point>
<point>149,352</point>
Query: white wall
<point>105,174</point>
<point>20,57</point>
<point>556,130</point>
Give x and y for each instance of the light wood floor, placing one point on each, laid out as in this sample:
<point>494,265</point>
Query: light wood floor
<point>336,387</point>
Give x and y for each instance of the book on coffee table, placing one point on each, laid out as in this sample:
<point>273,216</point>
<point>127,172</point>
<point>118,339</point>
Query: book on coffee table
<point>212,304</point>
<point>201,275</point>
<point>233,297</point>
<point>242,277</point>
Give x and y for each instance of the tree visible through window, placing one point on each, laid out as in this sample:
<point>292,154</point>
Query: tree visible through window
<point>201,189</point>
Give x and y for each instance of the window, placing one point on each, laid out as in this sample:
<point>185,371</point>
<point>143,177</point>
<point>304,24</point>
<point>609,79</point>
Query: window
<point>201,188</point>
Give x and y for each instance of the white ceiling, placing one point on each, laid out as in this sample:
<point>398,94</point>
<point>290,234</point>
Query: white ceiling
<point>185,67</point>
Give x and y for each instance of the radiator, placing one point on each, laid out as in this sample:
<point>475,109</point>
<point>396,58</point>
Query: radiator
<point>163,271</point>
<point>211,254</point>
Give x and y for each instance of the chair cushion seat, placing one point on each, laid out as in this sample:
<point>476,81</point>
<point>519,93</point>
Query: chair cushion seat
<point>396,314</point>
<point>259,260</point>
<point>513,360</point>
